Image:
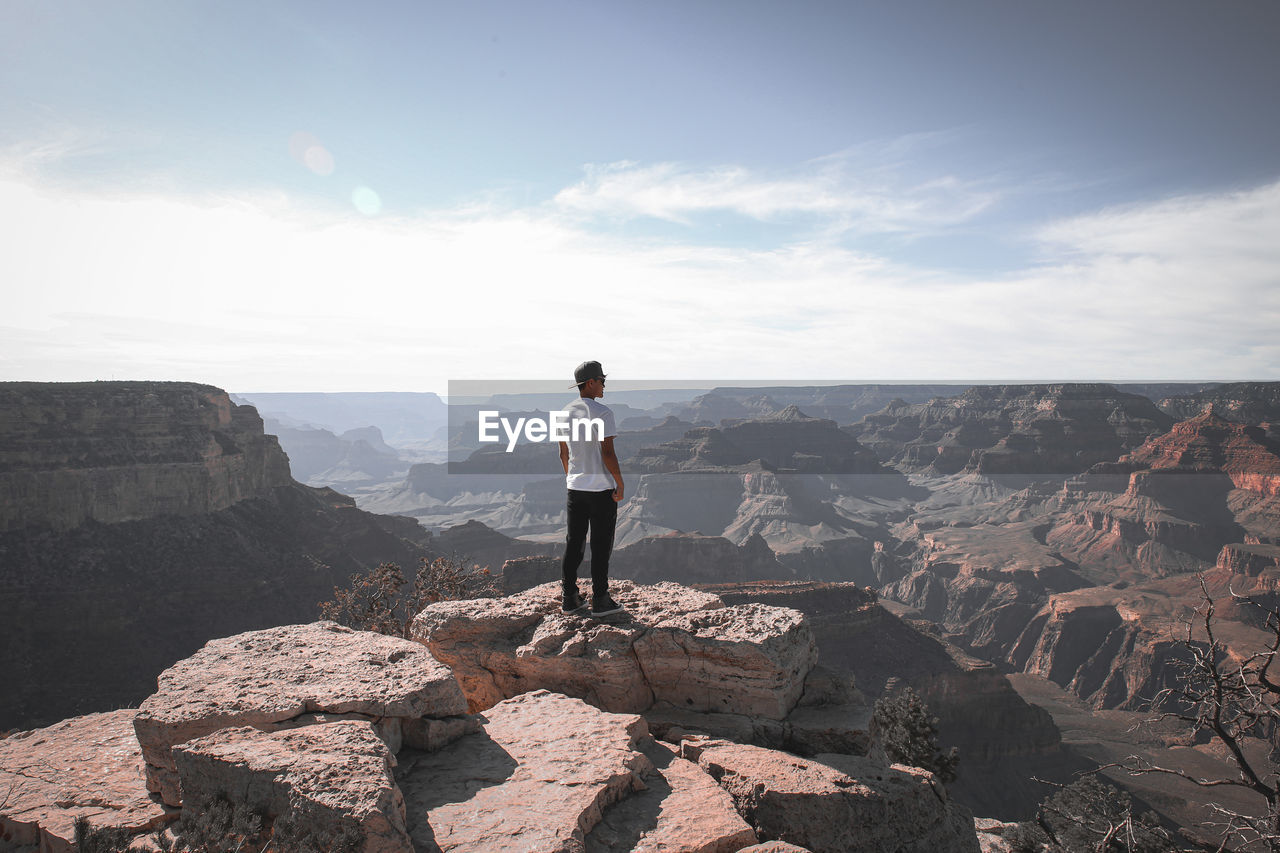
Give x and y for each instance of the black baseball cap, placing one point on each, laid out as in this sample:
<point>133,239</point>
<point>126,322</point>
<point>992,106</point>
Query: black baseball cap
<point>587,371</point>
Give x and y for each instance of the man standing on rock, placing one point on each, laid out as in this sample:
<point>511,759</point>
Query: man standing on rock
<point>595,488</point>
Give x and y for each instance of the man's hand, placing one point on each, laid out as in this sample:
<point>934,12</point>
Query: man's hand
<point>610,458</point>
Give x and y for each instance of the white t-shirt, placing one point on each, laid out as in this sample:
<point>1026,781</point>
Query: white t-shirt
<point>586,465</point>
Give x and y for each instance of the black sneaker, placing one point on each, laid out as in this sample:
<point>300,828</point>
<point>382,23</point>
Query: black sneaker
<point>606,607</point>
<point>573,603</point>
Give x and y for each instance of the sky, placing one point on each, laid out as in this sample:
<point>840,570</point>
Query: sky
<point>329,196</point>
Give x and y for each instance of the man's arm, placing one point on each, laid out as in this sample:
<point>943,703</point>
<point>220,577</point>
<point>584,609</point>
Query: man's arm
<point>564,456</point>
<point>610,460</point>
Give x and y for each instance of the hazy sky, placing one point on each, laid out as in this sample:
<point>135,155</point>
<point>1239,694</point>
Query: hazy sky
<point>316,196</point>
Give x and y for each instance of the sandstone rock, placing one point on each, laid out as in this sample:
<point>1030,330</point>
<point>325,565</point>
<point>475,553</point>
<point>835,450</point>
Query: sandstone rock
<point>674,645</point>
<point>327,777</point>
<point>681,810</point>
<point>839,802</point>
<point>773,847</point>
<point>87,766</point>
<point>538,777</point>
<point>746,659</point>
<point>266,679</point>
<point>120,451</point>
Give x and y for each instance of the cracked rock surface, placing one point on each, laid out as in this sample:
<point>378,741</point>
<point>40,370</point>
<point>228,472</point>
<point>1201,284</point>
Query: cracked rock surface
<point>680,809</point>
<point>538,777</point>
<point>329,777</point>
<point>86,766</point>
<point>267,679</point>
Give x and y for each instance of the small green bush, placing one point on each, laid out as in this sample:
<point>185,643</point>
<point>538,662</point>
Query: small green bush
<point>910,735</point>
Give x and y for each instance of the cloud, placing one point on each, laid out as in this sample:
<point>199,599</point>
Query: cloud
<point>872,201</point>
<point>265,293</point>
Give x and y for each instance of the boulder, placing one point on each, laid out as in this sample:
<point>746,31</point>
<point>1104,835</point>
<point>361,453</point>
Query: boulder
<point>746,659</point>
<point>87,767</point>
<point>838,802</point>
<point>680,809</point>
<point>274,678</point>
<point>539,776</point>
<point>328,778</point>
<point>674,646</point>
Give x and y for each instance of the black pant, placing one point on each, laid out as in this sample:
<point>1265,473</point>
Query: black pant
<point>597,511</point>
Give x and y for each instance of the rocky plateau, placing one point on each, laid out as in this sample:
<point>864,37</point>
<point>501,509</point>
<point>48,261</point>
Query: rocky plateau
<point>539,737</point>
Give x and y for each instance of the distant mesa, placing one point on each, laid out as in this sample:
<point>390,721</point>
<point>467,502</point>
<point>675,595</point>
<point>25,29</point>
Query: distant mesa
<point>1037,430</point>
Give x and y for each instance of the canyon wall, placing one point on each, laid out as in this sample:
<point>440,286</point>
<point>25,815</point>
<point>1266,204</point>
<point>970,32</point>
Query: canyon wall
<point>127,451</point>
<point>143,519</point>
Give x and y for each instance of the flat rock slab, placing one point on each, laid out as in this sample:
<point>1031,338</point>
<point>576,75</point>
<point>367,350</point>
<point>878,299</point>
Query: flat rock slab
<point>537,778</point>
<point>85,766</point>
<point>674,645</point>
<point>681,810</point>
<point>328,777</point>
<point>839,802</point>
<point>265,679</point>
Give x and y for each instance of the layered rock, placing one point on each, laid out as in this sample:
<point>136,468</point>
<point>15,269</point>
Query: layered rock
<point>844,404</point>
<point>1242,402</point>
<point>1206,483</point>
<point>1000,430</point>
<point>125,451</point>
<point>283,677</point>
<point>220,540</point>
<point>674,646</point>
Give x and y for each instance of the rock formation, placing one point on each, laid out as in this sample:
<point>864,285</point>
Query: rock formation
<point>1242,402</point>
<point>675,647</point>
<point>127,451</point>
<point>844,404</point>
<point>1002,740</point>
<point>154,516</point>
<point>1012,430</point>
<point>342,734</point>
<point>318,457</point>
<point>1206,483</point>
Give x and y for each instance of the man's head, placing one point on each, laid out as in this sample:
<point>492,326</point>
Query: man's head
<point>588,377</point>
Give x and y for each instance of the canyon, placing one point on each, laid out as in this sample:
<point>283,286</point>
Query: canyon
<point>983,545</point>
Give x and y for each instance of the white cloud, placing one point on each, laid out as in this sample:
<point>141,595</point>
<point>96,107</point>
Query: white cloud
<point>870,201</point>
<point>261,294</point>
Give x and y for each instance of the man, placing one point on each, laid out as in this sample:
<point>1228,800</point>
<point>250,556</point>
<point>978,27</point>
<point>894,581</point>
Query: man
<point>594,482</point>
